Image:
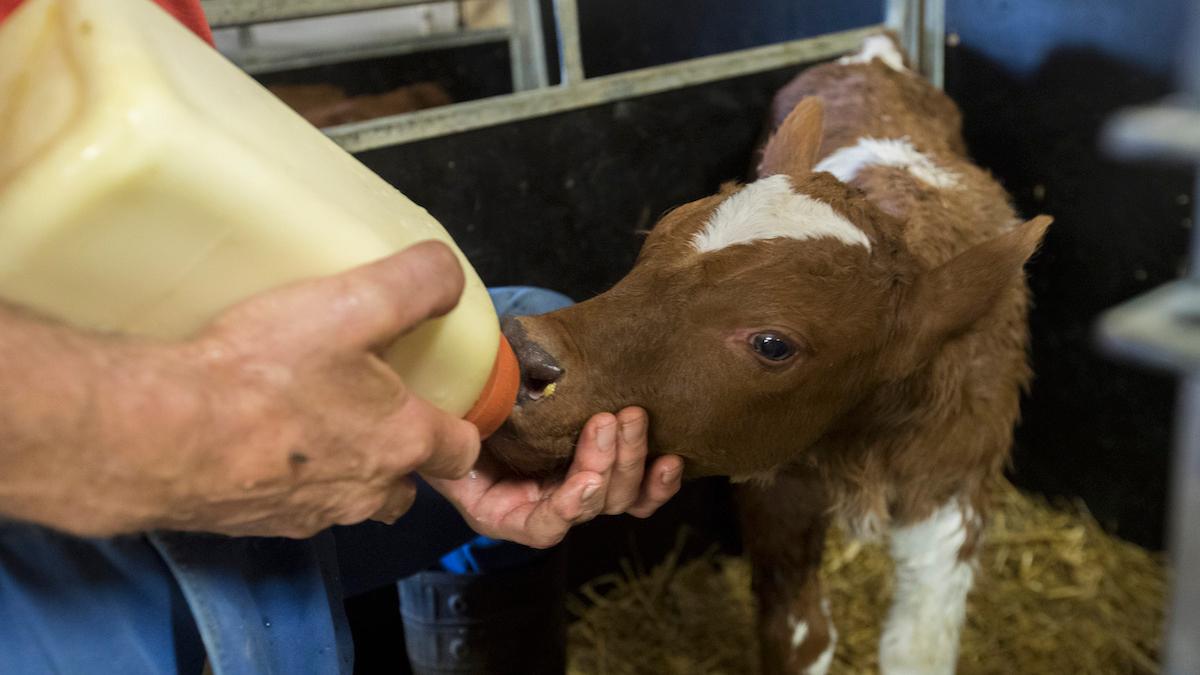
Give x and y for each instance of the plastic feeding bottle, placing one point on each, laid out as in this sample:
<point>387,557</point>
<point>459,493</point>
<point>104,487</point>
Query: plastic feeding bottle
<point>146,184</point>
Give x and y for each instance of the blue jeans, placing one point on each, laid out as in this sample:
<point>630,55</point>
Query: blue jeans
<point>157,603</point>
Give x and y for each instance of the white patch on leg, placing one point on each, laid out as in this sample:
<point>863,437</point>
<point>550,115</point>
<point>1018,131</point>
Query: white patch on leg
<point>799,630</point>
<point>877,47</point>
<point>770,209</point>
<point>929,603</point>
<point>845,163</point>
<point>825,658</point>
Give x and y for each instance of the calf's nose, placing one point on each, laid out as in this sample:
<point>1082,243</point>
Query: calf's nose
<point>540,372</point>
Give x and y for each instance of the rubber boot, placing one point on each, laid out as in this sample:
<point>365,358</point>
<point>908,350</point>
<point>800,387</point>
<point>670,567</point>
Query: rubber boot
<point>511,622</point>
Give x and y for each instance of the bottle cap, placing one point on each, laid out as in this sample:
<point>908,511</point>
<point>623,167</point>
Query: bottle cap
<point>499,395</point>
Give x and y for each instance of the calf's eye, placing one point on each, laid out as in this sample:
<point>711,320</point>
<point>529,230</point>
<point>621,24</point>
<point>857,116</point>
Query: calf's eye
<point>772,346</point>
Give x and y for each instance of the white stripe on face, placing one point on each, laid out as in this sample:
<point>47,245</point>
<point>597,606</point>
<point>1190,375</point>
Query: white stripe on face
<point>846,162</point>
<point>769,209</point>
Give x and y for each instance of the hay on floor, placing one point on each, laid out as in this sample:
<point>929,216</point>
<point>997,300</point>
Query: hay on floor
<point>1056,594</point>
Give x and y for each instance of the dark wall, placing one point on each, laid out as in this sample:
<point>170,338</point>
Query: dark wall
<point>620,35</point>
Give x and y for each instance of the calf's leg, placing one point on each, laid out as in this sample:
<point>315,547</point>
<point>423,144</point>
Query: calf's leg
<point>934,573</point>
<point>783,528</point>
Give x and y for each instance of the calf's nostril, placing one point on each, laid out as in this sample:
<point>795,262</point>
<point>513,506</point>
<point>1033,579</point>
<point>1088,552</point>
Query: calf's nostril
<point>540,372</point>
<point>540,379</point>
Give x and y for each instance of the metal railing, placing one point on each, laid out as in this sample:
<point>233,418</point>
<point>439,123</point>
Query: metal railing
<point>523,34</point>
<point>919,22</point>
<point>228,13</point>
<point>433,122</point>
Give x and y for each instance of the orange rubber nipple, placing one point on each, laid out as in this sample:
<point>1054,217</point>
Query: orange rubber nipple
<point>499,395</point>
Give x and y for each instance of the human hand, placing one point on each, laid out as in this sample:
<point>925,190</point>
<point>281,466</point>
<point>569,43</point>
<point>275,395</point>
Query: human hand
<point>278,419</point>
<point>608,475</point>
<point>311,428</point>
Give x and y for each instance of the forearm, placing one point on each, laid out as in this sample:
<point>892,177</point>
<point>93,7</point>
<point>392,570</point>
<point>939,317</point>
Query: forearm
<point>79,414</point>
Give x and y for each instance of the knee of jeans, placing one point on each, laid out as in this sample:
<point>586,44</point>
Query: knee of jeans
<point>525,300</point>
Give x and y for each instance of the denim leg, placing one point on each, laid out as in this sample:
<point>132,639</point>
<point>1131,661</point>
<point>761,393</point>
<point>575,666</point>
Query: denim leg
<point>526,300</point>
<point>264,605</point>
<point>103,606</point>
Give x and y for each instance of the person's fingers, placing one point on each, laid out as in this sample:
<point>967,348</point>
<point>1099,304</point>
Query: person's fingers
<point>597,448</point>
<point>661,483</point>
<point>630,465</point>
<point>467,492</point>
<point>452,444</point>
<point>399,500</point>
<point>543,524</point>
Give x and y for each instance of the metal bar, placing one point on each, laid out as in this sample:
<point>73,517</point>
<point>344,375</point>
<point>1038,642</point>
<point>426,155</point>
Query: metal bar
<point>414,126</point>
<point>933,41</point>
<point>904,17</point>
<point>570,55</point>
<point>1169,130</point>
<point>257,59</point>
<point>527,45</point>
<point>223,13</point>
<point>1194,260</point>
<point>1182,646</point>
<point>1160,328</point>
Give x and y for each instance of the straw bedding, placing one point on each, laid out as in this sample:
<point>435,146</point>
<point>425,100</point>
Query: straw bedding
<point>1056,594</point>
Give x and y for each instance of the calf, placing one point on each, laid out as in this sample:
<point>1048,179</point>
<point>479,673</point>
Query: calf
<point>845,336</point>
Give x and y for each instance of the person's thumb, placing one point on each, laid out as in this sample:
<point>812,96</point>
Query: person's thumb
<point>363,307</point>
<point>382,300</point>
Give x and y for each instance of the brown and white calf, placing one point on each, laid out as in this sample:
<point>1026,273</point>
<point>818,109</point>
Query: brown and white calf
<point>846,335</point>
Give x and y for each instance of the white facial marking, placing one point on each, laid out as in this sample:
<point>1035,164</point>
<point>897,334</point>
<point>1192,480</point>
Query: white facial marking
<point>845,163</point>
<point>877,47</point>
<point>769,209</point>
<point>929,603</point>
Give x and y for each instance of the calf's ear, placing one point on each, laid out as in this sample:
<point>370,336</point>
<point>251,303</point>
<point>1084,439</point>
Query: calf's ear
<point>792,150</point>
<point>947,301</point>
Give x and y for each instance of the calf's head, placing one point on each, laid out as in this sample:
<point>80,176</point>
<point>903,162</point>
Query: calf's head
<point>753,321</point>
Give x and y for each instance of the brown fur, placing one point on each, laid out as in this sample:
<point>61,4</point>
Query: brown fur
<point>325,105</point>
<point>911,357</point>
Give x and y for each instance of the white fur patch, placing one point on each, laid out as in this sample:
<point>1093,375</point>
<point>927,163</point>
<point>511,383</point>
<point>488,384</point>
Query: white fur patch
<point>867,528</point>
<point>799,631</point>
<point>845,163</point>
<point>825,658</point>
<point>769,209</point>
<point>877,47</point>
<point>929,602</point>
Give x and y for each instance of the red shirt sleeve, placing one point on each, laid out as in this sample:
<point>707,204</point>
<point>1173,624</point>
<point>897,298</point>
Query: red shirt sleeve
<point>188,12</point>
